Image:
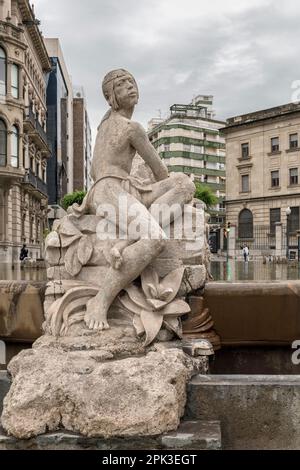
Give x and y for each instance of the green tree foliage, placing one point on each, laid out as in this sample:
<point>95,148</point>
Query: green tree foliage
<point>205,194</point>
<point>70,199</point>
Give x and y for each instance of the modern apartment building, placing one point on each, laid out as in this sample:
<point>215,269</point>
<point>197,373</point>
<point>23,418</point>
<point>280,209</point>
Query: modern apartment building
<point>82,142</point>
<point>59,129</point>
<point>24,64</point>
<point>262,176</point>
<point>190,141</point>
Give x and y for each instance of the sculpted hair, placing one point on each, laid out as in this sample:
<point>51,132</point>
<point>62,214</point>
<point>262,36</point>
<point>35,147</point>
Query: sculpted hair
<point>109,93</point>
<point>108,86</point>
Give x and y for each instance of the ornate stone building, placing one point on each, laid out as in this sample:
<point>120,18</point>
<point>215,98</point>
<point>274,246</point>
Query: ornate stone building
<point>263,178</point>
<point>24,150</point>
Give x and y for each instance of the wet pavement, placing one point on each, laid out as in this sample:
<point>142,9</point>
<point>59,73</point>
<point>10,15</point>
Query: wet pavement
<point>21,273</point>
<point>232,271</point>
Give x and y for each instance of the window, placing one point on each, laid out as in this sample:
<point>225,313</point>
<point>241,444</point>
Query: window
<point>245,224</point>
<point>3,143</point>
<point>15,147</point>
<point>245,184</point>
<point>245,150</point>
<point>44,175</point>
<point>293,220</point>
<point>293,176</point>
<point>275,216</point>
<point>15,81</point>
<point>2,72</point>
<point>275,144</point>
<point>37,171</point>
<point>275,179</point>
<point>293,141</point>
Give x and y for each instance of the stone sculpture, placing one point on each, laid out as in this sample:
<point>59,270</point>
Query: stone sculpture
<point>120,267</point>
<point>116,199</point>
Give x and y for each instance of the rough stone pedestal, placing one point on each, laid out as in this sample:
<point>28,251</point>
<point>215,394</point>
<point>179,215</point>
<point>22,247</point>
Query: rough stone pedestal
<point>98,385</point>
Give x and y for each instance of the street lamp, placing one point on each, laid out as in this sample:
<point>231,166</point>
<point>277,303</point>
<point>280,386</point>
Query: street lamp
<point>288,213</point>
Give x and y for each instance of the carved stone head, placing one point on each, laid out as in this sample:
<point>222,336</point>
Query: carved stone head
<point>120,88</point>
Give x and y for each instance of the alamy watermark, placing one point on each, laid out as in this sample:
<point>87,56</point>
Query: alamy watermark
<point>2,353</point>
<point>127,220</point>
<point>296,354</point>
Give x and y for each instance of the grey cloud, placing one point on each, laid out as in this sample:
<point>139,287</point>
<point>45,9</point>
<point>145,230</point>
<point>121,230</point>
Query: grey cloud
<point>247,60</point>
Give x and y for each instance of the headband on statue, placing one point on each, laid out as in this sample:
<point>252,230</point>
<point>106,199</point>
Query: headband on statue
<point>108,85</point>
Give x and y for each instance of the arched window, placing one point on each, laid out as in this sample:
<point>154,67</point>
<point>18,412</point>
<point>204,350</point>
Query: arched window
<point>3,143</point>
<point>246,224</point>
<point>15,147</point>
<point>2,72</point>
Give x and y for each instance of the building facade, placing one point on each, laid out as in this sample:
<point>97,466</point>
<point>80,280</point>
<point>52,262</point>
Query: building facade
<point>82,142</point>
<point>263,180</point>
<point>24,64</point>
<point>190,141</point>
<point>59,129</point>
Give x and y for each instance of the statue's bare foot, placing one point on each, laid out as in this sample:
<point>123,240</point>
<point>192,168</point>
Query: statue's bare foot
<point>95,318</point>
<point>116,258</point>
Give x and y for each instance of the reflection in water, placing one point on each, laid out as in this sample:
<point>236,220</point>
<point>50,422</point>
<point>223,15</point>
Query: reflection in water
<point>21,274</point>
<point>220,270</point>
<point>253,271</point>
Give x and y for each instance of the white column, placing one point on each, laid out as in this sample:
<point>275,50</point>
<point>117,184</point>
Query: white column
<point>278,239</point>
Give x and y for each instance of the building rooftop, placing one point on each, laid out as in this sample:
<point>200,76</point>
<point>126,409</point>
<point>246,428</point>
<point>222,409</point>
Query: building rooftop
<point>199,108</point>
<point>254,117</point>
<point>32,24</point>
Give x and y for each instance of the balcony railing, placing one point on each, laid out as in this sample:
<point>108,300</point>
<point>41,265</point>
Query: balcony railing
<point>35,181</point>
<point>10,29</point>
<point>30,117</point>
<point>41,131</point>
<point>35,129</point>
<point>41,186</point>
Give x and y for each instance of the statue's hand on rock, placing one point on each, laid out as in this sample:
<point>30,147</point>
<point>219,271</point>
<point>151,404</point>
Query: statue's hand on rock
<point>96,317</point>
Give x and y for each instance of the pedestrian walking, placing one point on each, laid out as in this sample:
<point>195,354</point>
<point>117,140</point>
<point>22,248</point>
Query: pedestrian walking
<point>246,253</point>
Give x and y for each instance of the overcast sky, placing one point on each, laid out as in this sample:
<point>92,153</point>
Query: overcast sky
<point>244,52</point>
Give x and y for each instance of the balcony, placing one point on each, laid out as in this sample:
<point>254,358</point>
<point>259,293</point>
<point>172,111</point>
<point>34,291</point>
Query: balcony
<point>9,174</point>
<point>34,183</point>
<point>8,29</point>
<point>36,131</point>
<point>29,120</point>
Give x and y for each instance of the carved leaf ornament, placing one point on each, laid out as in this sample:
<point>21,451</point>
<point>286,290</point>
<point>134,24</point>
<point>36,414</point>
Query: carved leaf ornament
<point>153,305</point>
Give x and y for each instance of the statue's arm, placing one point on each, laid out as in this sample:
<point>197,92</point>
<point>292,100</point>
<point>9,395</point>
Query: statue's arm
<point>140,141</point>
